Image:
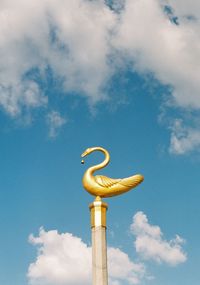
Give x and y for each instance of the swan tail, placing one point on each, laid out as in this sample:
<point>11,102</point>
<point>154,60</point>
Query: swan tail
<point>131,181</point>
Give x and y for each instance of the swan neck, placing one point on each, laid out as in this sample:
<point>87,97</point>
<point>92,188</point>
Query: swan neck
<point>102,164</point>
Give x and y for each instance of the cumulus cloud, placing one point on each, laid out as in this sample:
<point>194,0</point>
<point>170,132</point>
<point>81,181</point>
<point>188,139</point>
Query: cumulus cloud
<point>55,121</point>
<point>184,138</point>
<point>65,259</point>
<point>150,243</point>
<point>121,268</point>
<point>62,259</point>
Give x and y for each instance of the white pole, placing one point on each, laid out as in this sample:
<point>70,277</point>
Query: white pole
<point>99,248</point>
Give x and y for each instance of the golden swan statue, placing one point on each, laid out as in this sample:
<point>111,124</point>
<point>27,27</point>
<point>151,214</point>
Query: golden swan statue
<point>102,186</point>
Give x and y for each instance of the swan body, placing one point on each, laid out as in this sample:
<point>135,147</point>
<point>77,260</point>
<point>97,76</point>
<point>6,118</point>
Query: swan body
<point>103,186</point>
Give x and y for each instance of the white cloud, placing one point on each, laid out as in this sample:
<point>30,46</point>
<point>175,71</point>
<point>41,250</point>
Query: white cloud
<point>62,259</point>
<point>55,121</point>
<point>84,43</point>
<point>65,259</point>
<point>150,243</point>
<point>70,37</point>
<point>122,268</point>
<point>185,8</point>
<point>183,138</point>
<point>156,44</point>
<point>76,38</point>
<point>20,95</point>
<point>167,45</point>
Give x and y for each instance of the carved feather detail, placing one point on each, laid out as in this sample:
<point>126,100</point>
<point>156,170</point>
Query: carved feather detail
<point>128,182</point>
<point>105,181</point>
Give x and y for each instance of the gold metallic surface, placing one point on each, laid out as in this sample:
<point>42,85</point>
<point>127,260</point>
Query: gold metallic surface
<point>98,213</point>
<point>103,186</point>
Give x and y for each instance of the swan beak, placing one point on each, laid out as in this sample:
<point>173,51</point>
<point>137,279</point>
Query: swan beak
<point>84,154</point>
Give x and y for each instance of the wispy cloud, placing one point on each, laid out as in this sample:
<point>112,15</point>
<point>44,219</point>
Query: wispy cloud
<point>55,121</point>
<point>21,95</point>
<point>184,138</point>
<point>151,245</point>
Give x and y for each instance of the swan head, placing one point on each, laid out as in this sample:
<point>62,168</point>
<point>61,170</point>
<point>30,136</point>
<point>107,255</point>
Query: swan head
<point>87,151</point>
<point>91,149</point>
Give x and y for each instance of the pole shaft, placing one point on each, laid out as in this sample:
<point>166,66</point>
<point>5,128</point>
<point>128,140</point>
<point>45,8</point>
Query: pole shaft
<point>99,247</point>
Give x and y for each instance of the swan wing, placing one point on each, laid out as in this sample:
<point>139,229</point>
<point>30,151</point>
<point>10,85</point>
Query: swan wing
<point>105,181</point>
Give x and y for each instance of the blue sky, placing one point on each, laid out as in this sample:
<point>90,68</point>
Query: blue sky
<point>123,75</point>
